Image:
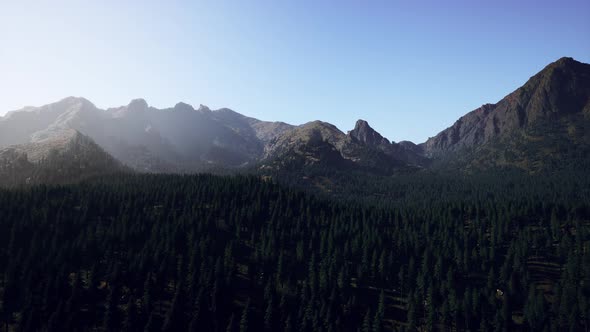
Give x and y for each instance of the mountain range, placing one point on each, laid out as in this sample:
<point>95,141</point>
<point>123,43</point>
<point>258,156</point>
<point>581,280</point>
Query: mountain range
<point>541,125</point>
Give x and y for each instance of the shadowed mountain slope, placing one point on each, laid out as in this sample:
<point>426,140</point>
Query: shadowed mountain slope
<point>546,118</point>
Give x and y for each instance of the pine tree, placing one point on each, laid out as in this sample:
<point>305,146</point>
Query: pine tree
<point>268,315</point>
<point>244,319</point>
<point>110,312</point>
<point>131,321</point>
<point>288,327</point>
<point>55,320</point>
<point>230,324</point>
<point>367,322</point>
<point>151,324</point>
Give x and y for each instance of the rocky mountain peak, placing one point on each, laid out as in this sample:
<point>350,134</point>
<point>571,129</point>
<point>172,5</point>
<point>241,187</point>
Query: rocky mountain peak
<point>70,105</point>
<point>203,108</point>
<point>565,61</point>
<point>552,103</point>
<point>183,107</point>
<point>137,105</point>
<point>74,101</point>
<point>367,135</point>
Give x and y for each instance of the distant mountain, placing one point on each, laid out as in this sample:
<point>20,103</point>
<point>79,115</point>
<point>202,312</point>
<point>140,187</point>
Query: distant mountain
<point>184,139</point>
<point>405,152</point>
<point>321,143</point>
<point>542,125</point>
<point>63,157</point>
<point>178,139</point>
<point>314,143</point>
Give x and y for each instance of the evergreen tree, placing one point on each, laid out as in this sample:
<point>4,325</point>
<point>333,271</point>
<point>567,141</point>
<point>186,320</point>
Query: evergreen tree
<point>244,319</point>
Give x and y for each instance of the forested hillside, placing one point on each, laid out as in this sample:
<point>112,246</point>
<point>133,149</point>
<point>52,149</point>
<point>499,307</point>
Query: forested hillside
<point>165,252</point>
<point>57,160</point>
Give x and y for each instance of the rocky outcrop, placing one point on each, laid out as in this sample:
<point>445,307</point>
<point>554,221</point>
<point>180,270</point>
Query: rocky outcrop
<point>363,133</point>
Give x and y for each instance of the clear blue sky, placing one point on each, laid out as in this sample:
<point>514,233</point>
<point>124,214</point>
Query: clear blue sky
<point>410,68</point>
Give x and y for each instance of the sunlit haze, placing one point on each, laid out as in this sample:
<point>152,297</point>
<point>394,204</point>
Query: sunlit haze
<point>410,68</point>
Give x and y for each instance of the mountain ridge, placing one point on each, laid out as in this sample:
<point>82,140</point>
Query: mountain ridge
<point>64,157</point>
<point>522,107</point>
<point>552,107</point>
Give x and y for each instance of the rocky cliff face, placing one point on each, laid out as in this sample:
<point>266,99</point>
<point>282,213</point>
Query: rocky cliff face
<point>405,152</point>
<point>319,142</point>
<point>363,133</point>
<point>560,90</point>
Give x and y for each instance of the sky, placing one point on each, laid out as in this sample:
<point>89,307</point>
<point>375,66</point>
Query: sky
<point>410,68</point>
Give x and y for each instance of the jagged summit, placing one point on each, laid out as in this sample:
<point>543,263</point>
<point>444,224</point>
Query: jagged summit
<point>565,61</point>
<point>561,88</point>
<point>137,105</point>
<point>138,102</point>
<point>74,100</point>
<point>537,126</point>
<point>366,134</point>
<point>203,108</point>
<point>183,107</point>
